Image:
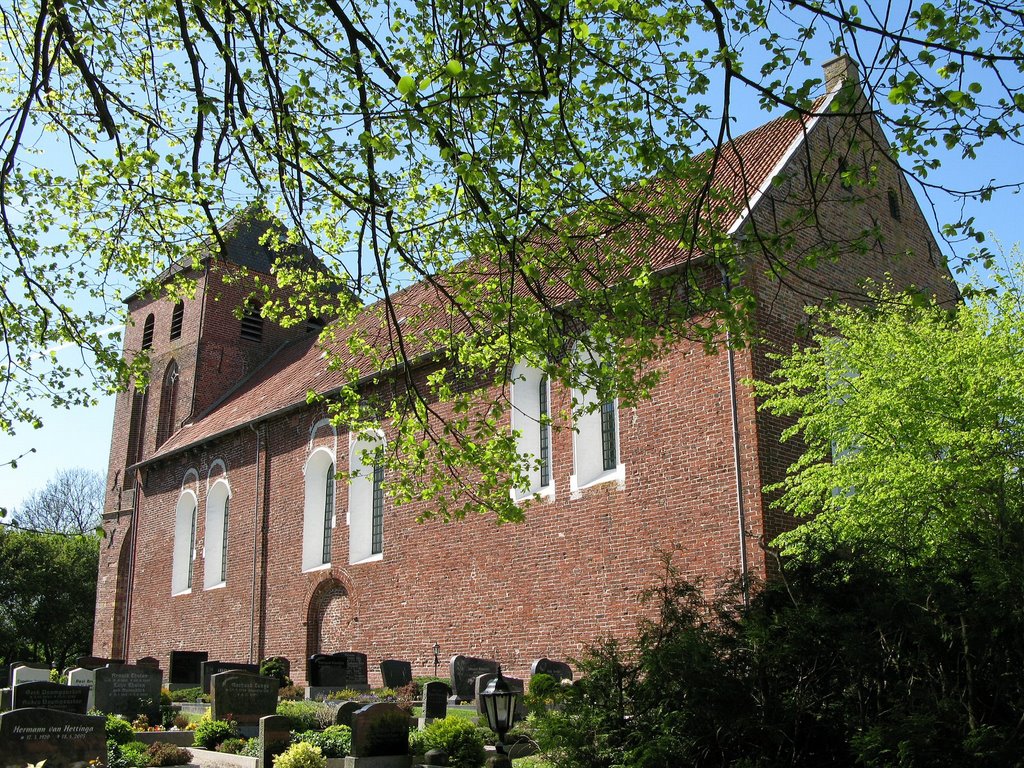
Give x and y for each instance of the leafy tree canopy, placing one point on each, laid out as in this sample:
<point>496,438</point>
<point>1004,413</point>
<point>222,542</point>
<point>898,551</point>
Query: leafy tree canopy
<point>911,416</point>
<point>396,139</point>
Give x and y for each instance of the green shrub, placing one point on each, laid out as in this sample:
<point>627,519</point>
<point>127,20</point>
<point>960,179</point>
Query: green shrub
<point>160,753</point>
<point>119,730</point>
<point>303,715</point>
<point>274,667</point>
<point>231,746</point>
<point>134,754</point>
<point>335,741</point>
<point>210,733</point>
<point>542,692</point>
<point>301,755</point>
<point>253,748</point>
<point>188,694</point>
<point>456,736</point>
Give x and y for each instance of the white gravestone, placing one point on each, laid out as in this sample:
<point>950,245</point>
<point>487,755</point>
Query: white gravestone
<point>30,675</point>
<point>85,678</point>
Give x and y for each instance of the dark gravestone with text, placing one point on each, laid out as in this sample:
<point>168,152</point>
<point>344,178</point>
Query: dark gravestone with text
<point>435,700</point>
<point>66,698</point>
<point>62,739</point>
<point>129,691</point>
<point>380,730</point>
<point>338,670</point>
<point>395,673</point>
<point>275,736</point>
<point>556,669</point>
<point>185,667</point>
<point>211,668</point>
<point>464,672</point>
<point>244,698</point>
<point>148,661</point>
<point>95,662</point>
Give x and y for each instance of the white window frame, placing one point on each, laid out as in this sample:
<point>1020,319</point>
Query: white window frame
<point>360,499</point>
<point>526,382</point>
<point>316,478</point>
<point>217,498</point>
<point>588,442</point>
<point>186,515</point>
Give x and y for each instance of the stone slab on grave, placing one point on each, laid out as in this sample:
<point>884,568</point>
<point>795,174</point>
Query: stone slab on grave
<point>380,731</point>
<point>95,662</point>
<point>343,715</point>
<point>275,737</point>
<point>47,695</point>
<point>395,673</point>
<point>556,669</point>
<point>129,691</point>
<point>84,678</point>
<point>435,700</point>
<point>15,664</point>
<point>330,672</point>
<point>514,684</point>
<point>464,671</point>
<point>26,674</point>
<point>62,739</point>
<point>244,698</point>
<point>148,661</point>
<point>184,668</point>
<point>5,699</point>
<point>211,668</point>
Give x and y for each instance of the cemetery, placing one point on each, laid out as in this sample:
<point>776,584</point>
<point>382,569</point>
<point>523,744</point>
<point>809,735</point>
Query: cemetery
<point>219,714</point>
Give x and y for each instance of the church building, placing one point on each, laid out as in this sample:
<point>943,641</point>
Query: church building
<point>227,530</point>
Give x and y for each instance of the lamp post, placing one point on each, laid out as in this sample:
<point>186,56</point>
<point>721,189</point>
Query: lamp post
<point>437,657</point>
<point>499,702</point>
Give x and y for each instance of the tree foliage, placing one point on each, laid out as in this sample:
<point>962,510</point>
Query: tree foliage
<point>47,595</point>
<point>70,503</point>
<point>550,145</point>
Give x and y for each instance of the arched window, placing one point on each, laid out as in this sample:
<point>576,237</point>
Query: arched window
<point>177,318</point>
<point>137,431</point>
<point>531,420</point>
<point>596,438</point>
<point>168,404</point>
<point>215,546</point>
<point>252,322</point>
<point>184,554</point>
<point>318,514</point>
<point>366,499</point>
<point>147,332</point>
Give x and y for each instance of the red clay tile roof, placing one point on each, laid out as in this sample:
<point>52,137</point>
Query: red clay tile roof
<point>282,382</point>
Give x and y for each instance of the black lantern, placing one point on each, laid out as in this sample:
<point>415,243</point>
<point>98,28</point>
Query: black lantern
<point>437,657</point>
<point>500,707</point>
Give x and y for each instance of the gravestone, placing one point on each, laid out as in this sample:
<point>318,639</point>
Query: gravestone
<point>62,739</point>
<point>556,669</point>
<point>464,671</point>
<point>129,691</point>
<point>5,699</point>
<point>25,674</point>
<point>185,668</point>
<point>15,664</point>
<point>343,716</point>
<point>335,671</point>
<point>275,736</point>
<point>514,684</point>
<point>380,730</point>
<point>435,700</point>
<point>47,695</point>
<point>245,697</point>
<point>148,661</point>
<point>395,673</point>
<point>84,678</point>
<point>210,668</point>
<point>95,662</point>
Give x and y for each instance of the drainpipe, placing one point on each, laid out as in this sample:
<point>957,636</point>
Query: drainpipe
<point>255,546</point>
<point>737,467</point>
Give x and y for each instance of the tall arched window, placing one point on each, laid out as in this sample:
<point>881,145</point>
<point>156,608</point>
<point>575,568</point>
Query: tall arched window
<point>168,404</point>
<point>596,438</point>
<point>177,319</point>
<point>531,420</point>
<point>366,499</point>
<point>318,512</point>
<point>137,431</point>
<point>184,554</point>
<point>215,547</point>
<point>147,332</point>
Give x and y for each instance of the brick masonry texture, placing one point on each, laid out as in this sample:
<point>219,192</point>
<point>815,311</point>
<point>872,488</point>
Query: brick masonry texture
<point>575,569</point>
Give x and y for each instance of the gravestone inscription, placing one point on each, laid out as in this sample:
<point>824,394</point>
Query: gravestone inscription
<point>245,697</point>
<point>84,678</point>
<point>210,668</point>
<point>380,730</point>
<point>128,690</point>
<point>338,670</point>
<point>47,695</point>
<point>556,669</point>
<point>435,700</point>
<point>464,671</point>
<point>62,739</point>
<point>395,673</point>
<point>185,667</point>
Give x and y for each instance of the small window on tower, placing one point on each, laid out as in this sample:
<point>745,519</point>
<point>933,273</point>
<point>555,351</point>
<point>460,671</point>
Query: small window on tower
<point>894,206</point>
<point>252,323</point>
<point>176,319</point>
<point>147,332</point>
